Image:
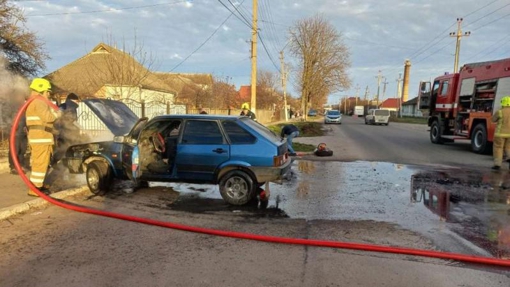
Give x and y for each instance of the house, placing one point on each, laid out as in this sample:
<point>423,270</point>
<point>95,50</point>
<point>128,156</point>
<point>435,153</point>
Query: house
<point>391,104</point>
<point>190,88</point>
<point>410,108</point>
<point>107,72</point>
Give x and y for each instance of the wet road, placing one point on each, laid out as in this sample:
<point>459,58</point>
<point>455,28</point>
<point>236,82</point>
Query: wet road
<point>396,143</point>
<point>366,202</point>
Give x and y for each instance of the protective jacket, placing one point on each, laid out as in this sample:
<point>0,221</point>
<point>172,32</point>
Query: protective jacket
<point>502,117</point>
<point>40,118</point>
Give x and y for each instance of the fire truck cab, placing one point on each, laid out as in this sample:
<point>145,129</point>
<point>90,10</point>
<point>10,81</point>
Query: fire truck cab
<point>461,105</point>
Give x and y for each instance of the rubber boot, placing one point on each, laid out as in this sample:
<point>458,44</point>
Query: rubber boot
<point>32,193</point>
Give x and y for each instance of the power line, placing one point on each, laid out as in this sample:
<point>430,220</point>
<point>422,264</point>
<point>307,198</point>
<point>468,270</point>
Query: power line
<point>206,40</point>
<point>488,14</point>
<point>107,10</point>
<point>479,9</point>
<point>231,11</point>
<point>486,48</point>
<point>235,7</point>
<point>504,16</point>
<point>267,52</point>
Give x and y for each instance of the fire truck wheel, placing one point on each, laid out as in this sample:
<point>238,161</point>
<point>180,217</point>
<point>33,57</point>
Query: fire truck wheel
<point>479,142</point>
<point>435,133</point>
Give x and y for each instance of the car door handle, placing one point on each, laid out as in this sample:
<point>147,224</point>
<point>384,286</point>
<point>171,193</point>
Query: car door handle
<point>219,150</point>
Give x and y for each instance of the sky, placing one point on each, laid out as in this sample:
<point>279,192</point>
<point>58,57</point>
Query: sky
<point>213,36</point>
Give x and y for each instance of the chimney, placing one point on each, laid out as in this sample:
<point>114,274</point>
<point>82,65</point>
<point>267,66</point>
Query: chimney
<point>407,70</point>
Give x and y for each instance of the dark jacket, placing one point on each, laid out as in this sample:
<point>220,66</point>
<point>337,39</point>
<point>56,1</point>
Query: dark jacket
<point>70,110</point>
<point>249,114</point>
<point>288,129</point>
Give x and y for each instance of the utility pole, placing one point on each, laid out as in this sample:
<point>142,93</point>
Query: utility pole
<point>357,94</point>
<point>384,88</point>
<point>399,93</point>
<point>254,59</point>
<point>459,35</point>
<point>379,78</point>
<point>345,105</point>
<point>284,85</point>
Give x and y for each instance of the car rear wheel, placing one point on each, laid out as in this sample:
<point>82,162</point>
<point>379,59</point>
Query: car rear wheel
<point>236,187</point>
<point>99,177</point>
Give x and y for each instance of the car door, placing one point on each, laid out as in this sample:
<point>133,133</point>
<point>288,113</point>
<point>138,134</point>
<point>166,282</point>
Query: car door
<point>201,150</point>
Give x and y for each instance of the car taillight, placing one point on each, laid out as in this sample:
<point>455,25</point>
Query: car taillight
<point>280,159</point>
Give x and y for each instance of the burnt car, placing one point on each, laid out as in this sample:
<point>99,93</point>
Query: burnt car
<point>235,152</point>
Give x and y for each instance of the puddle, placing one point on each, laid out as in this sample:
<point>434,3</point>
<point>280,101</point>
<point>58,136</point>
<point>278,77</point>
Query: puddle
<point>459,210</point>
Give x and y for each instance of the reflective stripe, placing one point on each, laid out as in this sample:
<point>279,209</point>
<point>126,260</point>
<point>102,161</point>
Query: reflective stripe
<point>40,140</point>
<point>33,118</point>
<point>37,180</point>
<point>33,173</point>
<point>445,106</point>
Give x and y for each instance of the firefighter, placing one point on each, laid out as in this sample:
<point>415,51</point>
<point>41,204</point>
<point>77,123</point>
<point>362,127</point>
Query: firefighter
<point>502,132</point>
<point>246,112</point>
<point>40,118</point>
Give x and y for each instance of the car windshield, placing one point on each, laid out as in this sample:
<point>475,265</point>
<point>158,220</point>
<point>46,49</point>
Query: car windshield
<point>333,113</point>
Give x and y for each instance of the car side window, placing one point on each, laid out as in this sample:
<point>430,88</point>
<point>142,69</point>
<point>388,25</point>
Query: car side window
<point>237,134</point>
<point>202,132</point>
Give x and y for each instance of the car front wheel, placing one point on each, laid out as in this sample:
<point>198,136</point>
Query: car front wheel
<point>236,187</point>
<point>99,177</point>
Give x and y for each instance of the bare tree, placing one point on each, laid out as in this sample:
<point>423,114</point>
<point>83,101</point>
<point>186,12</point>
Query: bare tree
<point>224,94</point>
<point>323,57</point>
<point>124,70</point>
<point>267,94</point>
<point>22,49</point>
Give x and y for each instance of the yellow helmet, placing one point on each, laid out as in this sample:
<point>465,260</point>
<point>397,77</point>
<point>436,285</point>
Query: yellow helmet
<point>40,85</point>
<point>245,106</point>
<point>505,101</point>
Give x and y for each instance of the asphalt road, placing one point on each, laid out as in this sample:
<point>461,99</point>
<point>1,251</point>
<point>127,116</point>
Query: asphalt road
<point>396,143</point>
<point>56,247</point>
<point>329,201</point>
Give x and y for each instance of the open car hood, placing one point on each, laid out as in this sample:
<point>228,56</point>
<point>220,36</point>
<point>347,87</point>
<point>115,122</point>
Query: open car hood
<point>117,117</point>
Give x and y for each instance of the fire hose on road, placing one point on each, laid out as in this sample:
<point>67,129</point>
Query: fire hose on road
<point>241,235</point>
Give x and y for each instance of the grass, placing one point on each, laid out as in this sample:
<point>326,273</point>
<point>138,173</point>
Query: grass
<point>409,120</point>
<point>303,147</point>
<point>306,129</point>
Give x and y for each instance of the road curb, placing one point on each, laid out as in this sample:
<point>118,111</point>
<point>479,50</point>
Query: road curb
<point>7,212</point>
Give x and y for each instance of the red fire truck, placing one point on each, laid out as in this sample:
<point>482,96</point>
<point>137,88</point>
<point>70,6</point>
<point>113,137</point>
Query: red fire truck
<point>461,104</point>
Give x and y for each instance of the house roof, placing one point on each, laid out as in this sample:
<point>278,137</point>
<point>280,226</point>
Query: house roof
<point>391,103</point>
<point>411,102</point>
<point>104,65</point>
<point>245,93</point>
<point>179,80</point>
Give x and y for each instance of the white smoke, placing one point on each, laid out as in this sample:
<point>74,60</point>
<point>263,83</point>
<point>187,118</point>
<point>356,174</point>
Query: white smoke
<point>13,91</point>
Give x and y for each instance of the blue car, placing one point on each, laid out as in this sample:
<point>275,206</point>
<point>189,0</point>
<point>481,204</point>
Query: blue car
<point>234,152</point>
<point>312,113</point>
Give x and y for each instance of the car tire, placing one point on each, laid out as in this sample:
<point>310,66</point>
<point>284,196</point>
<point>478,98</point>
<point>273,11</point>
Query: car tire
<point>236,187</point>
<point>99,177</point>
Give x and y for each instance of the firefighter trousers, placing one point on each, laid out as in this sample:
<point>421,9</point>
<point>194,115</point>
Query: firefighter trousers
<point>40,160</point>
<point>500,144</point>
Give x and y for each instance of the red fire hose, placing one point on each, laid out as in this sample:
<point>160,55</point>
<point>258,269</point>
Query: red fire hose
<point>233,234</point>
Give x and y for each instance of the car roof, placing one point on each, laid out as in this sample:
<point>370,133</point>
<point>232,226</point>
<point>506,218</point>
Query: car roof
<point>198,116</point>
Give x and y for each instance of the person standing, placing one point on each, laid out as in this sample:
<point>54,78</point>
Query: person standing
<point>502,132</point>
<point>67,127</point>
<point>290,132</point>
<point>247,113</point>
<point>40,117</point>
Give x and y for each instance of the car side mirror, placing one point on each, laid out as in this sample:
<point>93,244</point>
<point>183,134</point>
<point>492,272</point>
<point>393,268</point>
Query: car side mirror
<point>119,139</point>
